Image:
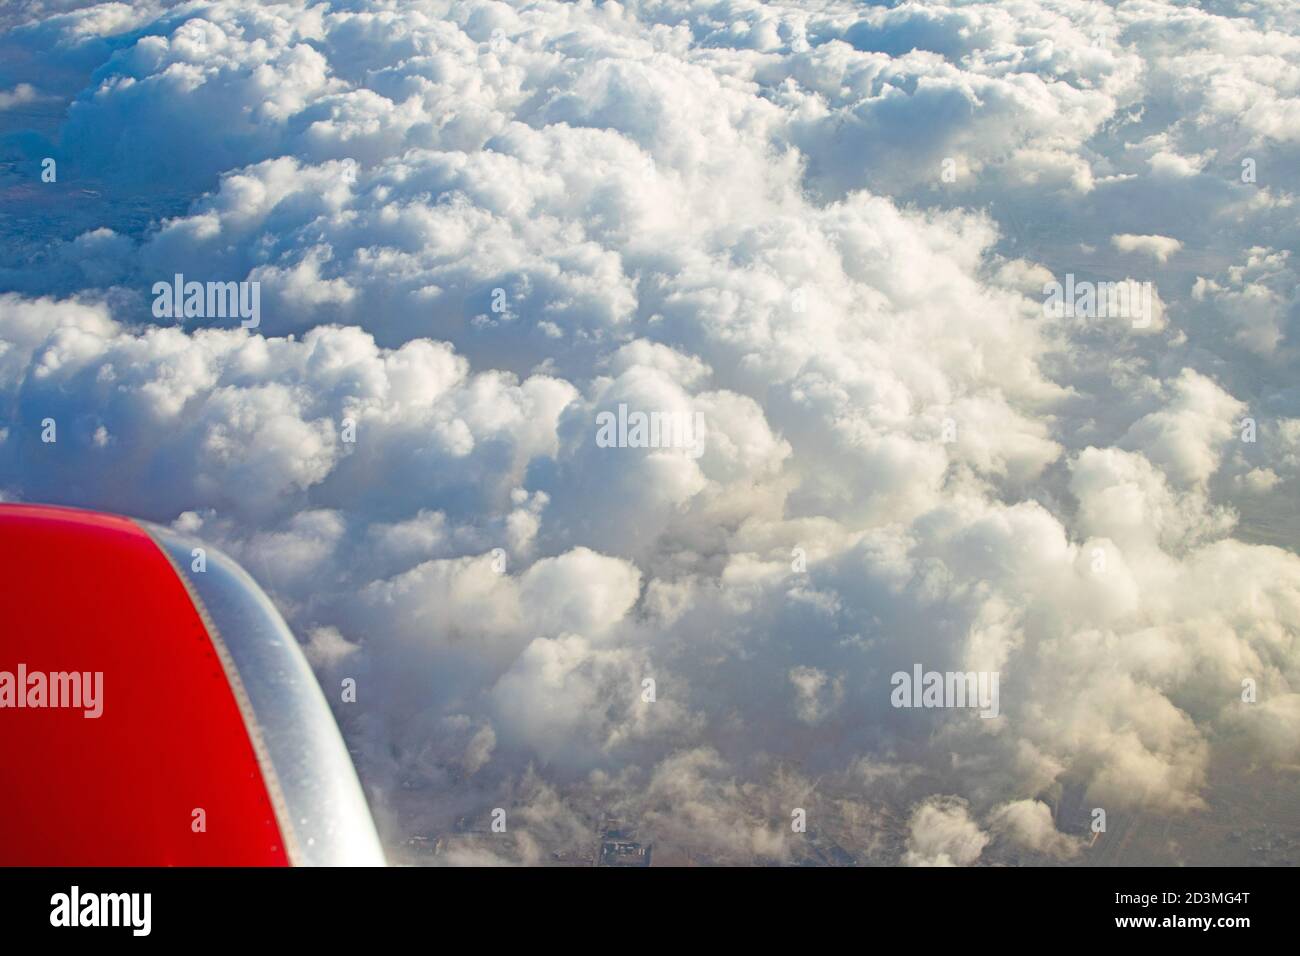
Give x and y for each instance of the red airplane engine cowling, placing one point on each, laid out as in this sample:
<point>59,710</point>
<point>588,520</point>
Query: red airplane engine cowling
<point>156,710</point>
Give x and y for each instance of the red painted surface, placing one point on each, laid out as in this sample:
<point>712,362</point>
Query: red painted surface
<point>81,591</point>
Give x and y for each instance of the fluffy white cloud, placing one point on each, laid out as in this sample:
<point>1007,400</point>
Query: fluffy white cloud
<point>943,834</point>
<point>1029,824</point>
<point>1159,248</point>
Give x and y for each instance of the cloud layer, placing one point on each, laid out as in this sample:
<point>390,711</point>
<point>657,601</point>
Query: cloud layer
<point>823,228</point>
